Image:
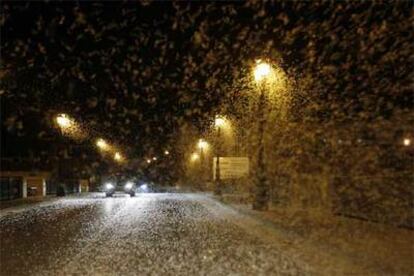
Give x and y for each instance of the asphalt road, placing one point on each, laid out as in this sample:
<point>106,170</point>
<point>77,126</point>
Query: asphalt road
<point>157,234</point>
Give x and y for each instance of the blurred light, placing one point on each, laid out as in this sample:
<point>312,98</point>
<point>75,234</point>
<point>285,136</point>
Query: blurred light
<point>129,185</point>
<point>219,121</point>
<point>100,143</point>
<point>407,142</point>
<point>144,187</point>
<point>202,144</point>
<point>70,127</point>
<point>109,186</point>
<point>195,157</point>
<point>117,156</point>
<point>166,152</point>
<point>154,158</point>
<point>148,161</point>
<point>261,71</point>
<point>63,121</point>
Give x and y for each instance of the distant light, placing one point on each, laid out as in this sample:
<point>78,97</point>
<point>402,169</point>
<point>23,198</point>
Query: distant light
<point>202,144</point>
<point>148,161</point>
<point>63,121</point>
<point>100,143</point>
<point>407,142</point>
<point>166,152</point>
<point>129,185</point>
<point>117,156</point>
<point>109,186</point>
<point>261,71</point>
<point>154,158</point>
<point>144,187</point>
<point>195,157</point>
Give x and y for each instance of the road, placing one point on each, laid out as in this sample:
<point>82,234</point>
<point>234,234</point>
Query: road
<point>151,234</point>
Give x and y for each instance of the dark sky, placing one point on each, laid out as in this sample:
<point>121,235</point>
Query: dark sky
<point>135,72</point>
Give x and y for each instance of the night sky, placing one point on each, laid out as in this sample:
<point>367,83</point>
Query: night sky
<point>134,72</point>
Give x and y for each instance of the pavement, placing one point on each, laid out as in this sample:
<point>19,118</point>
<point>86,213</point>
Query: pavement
<point>155,234</point>
<point>24,202</point>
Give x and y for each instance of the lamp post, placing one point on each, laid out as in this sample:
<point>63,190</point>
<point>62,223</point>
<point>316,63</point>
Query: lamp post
<point>202,145</point>
<point>65,124</point>
<point>261,197</point>
<point>218,122</point>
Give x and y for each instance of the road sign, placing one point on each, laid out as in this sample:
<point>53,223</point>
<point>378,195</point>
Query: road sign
<point>232,167</point>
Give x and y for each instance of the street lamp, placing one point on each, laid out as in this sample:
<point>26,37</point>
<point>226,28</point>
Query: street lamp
<point>149,161</point>
<point>407,142</point>
<point>154,158</point>
<point>166,152</point>
<point>194,157</point>
<point>65,124</point>
<point>219,122</point>
<point>118,157</point>
<point>202,145</point>
<point>64,121</point>
<point>69,127</point>
<point>262,73</point>
<point>102,144</point>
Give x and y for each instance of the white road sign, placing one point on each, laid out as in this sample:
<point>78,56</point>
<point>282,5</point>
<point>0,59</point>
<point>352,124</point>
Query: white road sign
<point>232,167</point>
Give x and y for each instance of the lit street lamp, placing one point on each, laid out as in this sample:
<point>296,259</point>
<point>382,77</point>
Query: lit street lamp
<point>166,152</point>
<point>218,123</point>
<point>102,144</point>
<point>69,127</point>
<point>194,157</point>
<point>202,145</point>
<point>64,121</point>
<point>118,156</point>
<point>261,73</point>
<point>407,142</point>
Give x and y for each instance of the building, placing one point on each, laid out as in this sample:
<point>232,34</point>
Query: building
<point>21,184</point>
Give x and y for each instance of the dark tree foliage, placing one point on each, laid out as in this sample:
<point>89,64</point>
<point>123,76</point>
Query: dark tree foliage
<point>137,71</point>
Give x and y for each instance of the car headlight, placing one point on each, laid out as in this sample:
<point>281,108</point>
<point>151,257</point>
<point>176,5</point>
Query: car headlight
<point>129,185</point>
<point>109,186</point>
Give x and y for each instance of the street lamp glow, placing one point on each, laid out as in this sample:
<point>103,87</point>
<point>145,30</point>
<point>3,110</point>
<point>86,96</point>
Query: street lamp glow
<point>117,156</point>
<point>219,121</point>
<point>202,144</point>
<point>195,157</point>
<point>166,152</point>
<point>100,143</point>
<point>261,71</point>
<point>69,127</point>
<point>149,161</point>
<point>63,121</point>
<point>154,158</point>
<point>407,142</point>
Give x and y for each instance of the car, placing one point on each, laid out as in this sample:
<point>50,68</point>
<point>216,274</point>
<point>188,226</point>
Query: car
<point>128,187</point>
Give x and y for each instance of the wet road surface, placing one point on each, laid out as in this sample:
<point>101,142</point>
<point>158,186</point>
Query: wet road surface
<point>153,234</point>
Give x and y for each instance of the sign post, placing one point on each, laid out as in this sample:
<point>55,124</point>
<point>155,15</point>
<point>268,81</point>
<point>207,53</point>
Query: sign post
<point>231,167</point>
